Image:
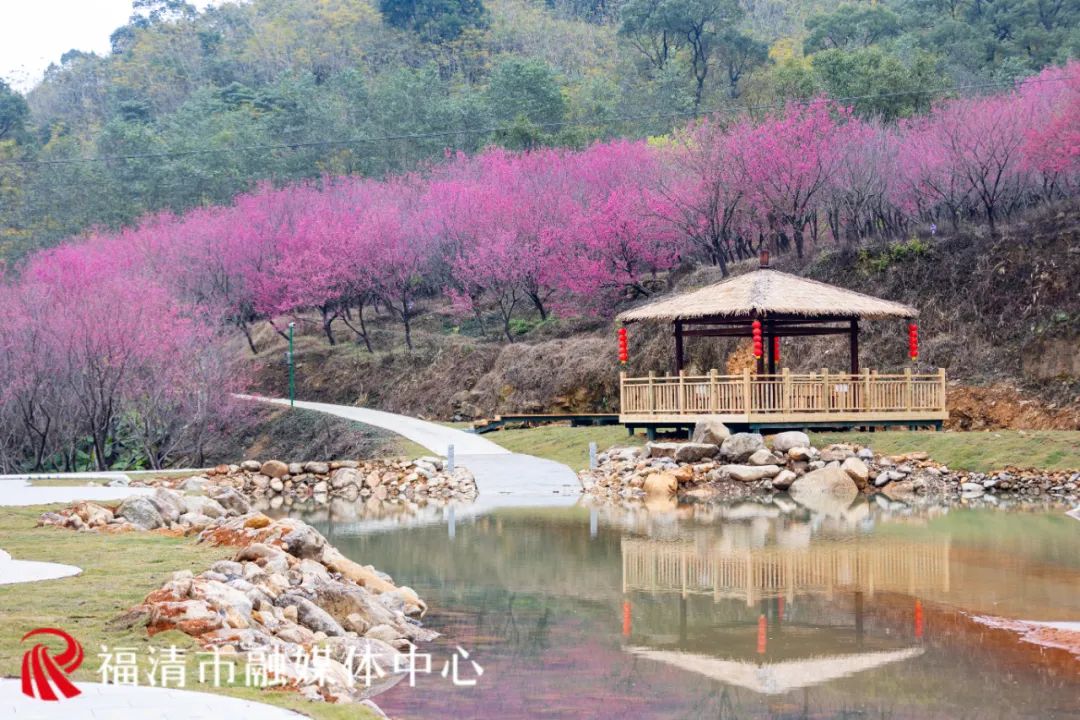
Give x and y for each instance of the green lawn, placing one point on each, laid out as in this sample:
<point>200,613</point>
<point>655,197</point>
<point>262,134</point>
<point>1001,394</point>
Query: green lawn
<point>118,572</point>
<point>562,443</point>
<point>975,451</point>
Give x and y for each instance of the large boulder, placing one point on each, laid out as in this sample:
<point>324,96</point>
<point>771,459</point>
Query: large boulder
<point>203,505</point>
<point>858,471</point>
<point>310,615</point>
<point>750,473</point>
<point>343,477</point>
<point>661,484</point>
<point>782,442</point>
<point>169,503</point>
<point>274,469</point>
<point>662,449</point>
<point>829,490</point>
<point>138,510</point>
<point>710,431</point>
<point>740,446</point>
<point>691,452</point>
<point>762,457</point>
<point>232,501</point>
<point>93,515</point>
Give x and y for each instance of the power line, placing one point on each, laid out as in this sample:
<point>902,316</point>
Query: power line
<point>546,125</point>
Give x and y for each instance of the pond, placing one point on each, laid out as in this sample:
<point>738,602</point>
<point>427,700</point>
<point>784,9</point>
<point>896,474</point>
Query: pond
<point>749,611</point>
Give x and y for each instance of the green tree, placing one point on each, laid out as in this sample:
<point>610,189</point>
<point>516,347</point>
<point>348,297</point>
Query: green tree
<point>14,112</point>
<point>526,89</point>
<point>434,21</point>
<point>896,89</point>
<point>850,27</point>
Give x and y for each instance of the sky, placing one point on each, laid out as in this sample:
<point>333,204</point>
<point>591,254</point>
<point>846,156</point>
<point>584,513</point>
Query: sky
<point>34,33</point>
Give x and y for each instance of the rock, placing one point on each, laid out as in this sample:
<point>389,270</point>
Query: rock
<point>355,622</point>
<point>193,617</point>
<point>750,473</point>
<point>195,483</point>
<point>692,452</point>
<point>220,596</point>
<point>93,515</point>
<point>887,476</point>
<point>710,431</point>
<point>783,479</point>
<point>316,468</point>
<point>343,477</point>
<point>296,468</point>
<point>311,615</point>
<point>320,487</point>
<point>385,633</point>
<point>304,542</point>
<point>169,503</point>
<point>740,446</point>
<point>661,484</point>
<point>801,454</point>
<point>683,474</point>
<point>782,442</point>
<point>277,485</point>
<point>232,501</point>
<point>274,469</point>
<point>195,521</point>
<point>250,465</point>
<point>971,489</point>
<point>857,470</point>
<point>203,505</point>
<point>825,490</point>
<point>865,454</point>
<point>295,634</point>
<point>661,449</point>
<point>139,511</point>
<point>362,575</point>
<point>761,457</point>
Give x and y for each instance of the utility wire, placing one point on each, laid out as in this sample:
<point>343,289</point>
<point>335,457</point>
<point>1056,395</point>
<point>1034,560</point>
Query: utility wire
<point>546,125</point>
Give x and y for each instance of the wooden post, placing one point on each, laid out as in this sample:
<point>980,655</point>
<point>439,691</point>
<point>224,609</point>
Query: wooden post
<point>941,384</point>
<point>714,392</point>
<point>786,400</point>
<point>682,392</point>
<point>771,347</point>
<point>678,346</point>
<point>747,392</point>
<point>826,394</point>
<point>652,393</point>
<point>867,401</point>
<point>907,388</point>
<point>854,346</point>
<point>622,391</point>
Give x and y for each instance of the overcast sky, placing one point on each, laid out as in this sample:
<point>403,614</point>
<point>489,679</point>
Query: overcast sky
<point>34,33</point>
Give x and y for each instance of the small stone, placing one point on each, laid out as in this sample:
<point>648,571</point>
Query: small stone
<point>782,442</point>
<point>750,473</point>
<point>693,452</point>
<point>761,457</point>
<point>783,479</point>
<point>317,468</point>
<point>274,469</point>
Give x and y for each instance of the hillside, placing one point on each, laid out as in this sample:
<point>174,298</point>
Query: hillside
<point>1002,316</point>
<point>191,108</point>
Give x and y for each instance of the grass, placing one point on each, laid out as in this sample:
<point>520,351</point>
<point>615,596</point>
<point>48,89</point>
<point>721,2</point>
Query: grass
<point>562,443</point>
<point>975,451</point>
<point>118,571</point>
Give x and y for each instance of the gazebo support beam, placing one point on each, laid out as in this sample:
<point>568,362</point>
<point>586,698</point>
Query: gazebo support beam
<point>678,346</point>
<point>854,346</point>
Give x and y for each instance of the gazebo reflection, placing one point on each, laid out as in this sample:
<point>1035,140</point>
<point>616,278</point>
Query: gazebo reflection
<point>775,619</point>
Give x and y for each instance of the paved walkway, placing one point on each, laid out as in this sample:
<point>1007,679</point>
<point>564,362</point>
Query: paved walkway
<point>111,702</point>
<point>504,479</point>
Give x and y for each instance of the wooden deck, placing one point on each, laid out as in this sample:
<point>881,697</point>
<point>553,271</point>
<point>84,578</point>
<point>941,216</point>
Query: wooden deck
<point>785,399</point>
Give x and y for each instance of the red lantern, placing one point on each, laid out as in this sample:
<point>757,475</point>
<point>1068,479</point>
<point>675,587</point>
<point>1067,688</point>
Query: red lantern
<point>624,347</point>
<point>776,348</point>
<point>913,341</point>
<point>756,334</point>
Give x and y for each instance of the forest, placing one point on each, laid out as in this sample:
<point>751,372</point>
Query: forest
<point>191,108</point>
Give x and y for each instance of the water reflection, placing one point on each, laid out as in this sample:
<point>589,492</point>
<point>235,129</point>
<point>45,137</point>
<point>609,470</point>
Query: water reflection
<point>744,611</point>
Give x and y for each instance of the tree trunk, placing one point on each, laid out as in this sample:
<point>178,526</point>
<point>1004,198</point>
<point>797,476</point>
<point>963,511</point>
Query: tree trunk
<point>247,334</point>
<point>327,323</point>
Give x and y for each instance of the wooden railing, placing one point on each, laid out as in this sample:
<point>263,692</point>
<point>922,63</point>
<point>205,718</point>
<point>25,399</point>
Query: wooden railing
<point>786,394</point>
<point>755,573</point>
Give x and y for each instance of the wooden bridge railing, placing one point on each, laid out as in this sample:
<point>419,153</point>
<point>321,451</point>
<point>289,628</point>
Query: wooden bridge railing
<point>783,394</point>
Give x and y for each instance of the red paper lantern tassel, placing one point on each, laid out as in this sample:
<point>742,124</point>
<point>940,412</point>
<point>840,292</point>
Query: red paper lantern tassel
<point>776,348</point>
<point>624,347</point>
<point>756,334</point>
<point>913,341</point>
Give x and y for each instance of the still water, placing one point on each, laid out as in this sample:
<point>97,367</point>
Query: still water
<point>751,611</point>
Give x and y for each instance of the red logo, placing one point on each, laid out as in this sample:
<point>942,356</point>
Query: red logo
<point>43,675</point>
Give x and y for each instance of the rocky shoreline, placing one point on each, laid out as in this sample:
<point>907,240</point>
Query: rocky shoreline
<point>717,466</point>
<point>285,592</point>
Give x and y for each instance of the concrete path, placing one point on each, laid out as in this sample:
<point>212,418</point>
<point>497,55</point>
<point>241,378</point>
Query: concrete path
<point>504,479</point>
<point>112,702</point>
<point>22,571</point>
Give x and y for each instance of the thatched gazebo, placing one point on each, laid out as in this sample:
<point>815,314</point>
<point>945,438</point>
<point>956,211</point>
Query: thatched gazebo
<point>766,305</point>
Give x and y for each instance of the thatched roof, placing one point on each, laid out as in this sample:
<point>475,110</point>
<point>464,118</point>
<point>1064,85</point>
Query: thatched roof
<point>776,678</point>
<point>768,292</point>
